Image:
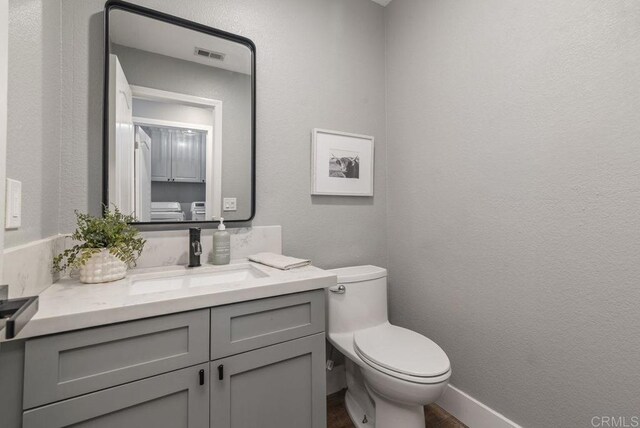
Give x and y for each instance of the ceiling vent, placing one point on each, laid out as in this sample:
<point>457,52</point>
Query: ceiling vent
<point>209,54</point>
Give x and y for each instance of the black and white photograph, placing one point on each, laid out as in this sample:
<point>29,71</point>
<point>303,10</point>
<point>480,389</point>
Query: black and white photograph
<point>344,164</point>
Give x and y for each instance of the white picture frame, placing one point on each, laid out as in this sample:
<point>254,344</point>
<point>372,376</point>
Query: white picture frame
<point>342,164</point>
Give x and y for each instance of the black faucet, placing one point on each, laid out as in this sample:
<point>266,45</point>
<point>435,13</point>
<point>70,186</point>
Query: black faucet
<point>195,248</point>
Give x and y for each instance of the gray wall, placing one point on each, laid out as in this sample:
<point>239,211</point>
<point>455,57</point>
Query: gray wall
<point>33,131</point>
<point>320,64</point>
<point>514,199</point>
<point>233,89</point>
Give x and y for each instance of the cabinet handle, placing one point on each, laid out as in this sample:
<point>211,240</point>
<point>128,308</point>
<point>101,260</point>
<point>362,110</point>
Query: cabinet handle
<point>220,372</point>
<point>201,375</point>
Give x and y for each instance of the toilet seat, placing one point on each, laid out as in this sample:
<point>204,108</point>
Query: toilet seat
<point>402,353</point>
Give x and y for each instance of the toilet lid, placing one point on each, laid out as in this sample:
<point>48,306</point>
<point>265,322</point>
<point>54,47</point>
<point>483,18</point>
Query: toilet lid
<point>402,351</point>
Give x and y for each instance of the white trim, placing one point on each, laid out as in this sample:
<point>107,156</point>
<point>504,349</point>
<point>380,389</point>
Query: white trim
<point>472,412</point>
<point>152,94</point>
<point>214,150</point>
<point>138,120</point>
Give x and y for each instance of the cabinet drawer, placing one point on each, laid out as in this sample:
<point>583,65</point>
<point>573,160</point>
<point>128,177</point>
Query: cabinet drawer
<point>75,363</point>
<point>249,325</point>
<point>174,400</point>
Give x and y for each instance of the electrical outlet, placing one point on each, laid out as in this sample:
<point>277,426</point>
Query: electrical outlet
<point>229,204</point>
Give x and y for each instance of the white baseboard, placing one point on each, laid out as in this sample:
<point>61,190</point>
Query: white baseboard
<point>471,412</point>
<point>336,379</point>
<point>464,407</point>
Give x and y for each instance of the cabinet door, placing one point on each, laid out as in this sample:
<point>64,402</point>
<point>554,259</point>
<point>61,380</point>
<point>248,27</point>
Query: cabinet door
<point>280,386</point>
<point>160,155</point>
<point>173,400</point>
<point>203,158</point>
<point>185,157</point>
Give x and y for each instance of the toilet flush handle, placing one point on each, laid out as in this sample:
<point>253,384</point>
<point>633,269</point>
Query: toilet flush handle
<point>340,289</point>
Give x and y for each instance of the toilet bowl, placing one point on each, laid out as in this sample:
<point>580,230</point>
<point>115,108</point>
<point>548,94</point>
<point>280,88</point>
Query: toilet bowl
<point>392,372</point>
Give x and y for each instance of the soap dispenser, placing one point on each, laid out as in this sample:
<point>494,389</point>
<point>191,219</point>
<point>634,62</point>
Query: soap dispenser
<point>221,245</point>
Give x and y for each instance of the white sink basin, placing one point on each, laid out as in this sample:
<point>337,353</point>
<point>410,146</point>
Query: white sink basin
<point>203,277</point>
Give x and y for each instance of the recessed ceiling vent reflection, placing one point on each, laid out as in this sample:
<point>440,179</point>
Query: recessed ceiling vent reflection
<point>210,54</point>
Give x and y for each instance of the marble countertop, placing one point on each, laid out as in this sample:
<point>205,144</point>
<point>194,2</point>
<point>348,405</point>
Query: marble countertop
<point>70,305</point>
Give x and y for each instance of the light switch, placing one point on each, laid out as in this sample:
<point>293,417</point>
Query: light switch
<point>229,204</point>
<point>13,204</point>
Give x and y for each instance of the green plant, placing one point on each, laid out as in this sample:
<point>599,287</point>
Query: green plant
<point>112,232</point>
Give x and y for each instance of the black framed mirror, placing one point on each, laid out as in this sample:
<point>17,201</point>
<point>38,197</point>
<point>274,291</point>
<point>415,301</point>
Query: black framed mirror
<point>179,120</point>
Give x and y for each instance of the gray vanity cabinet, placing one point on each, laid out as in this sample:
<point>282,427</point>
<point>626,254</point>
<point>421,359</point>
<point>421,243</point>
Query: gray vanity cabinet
<point>250,364</point>
<point>176,399</point>
<point>279,386</point>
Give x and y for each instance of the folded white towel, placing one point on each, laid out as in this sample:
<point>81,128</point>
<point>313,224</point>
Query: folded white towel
<point>278,261</point>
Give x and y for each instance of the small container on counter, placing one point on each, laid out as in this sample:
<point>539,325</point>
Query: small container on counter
<point>221,245</point>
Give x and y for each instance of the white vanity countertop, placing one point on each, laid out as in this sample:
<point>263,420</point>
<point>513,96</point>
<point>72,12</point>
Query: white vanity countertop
<point>70,305</point>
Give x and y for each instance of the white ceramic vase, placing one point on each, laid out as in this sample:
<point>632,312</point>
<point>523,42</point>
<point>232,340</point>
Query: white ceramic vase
<point>102,267</point>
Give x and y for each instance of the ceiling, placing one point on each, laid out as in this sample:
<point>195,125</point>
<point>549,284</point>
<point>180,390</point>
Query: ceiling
<point>140,32</point>
<point>382,2</point>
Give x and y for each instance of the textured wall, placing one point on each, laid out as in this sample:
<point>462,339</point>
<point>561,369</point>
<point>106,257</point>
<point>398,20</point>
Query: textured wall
<point>320,63</point>
<point>514,196</point>
<point>33,132</point>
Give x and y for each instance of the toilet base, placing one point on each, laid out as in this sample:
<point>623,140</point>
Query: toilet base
<point>390,414</point>
<point>357,414</point>
<point>357,399</point>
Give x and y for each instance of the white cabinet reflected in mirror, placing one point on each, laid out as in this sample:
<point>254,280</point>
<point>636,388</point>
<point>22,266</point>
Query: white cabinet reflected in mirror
<point>179,119</point>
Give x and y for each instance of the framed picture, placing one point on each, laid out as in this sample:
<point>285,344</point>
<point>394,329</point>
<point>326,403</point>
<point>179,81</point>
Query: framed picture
<point>341,163</point>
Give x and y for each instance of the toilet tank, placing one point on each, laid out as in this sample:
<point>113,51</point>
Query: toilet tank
<point>363,303</point>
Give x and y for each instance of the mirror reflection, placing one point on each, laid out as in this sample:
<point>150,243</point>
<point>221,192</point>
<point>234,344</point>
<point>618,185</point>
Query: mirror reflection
<point>179,122</point>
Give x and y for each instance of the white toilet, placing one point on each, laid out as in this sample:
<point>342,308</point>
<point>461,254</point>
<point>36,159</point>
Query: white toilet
<point>392,372</point>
